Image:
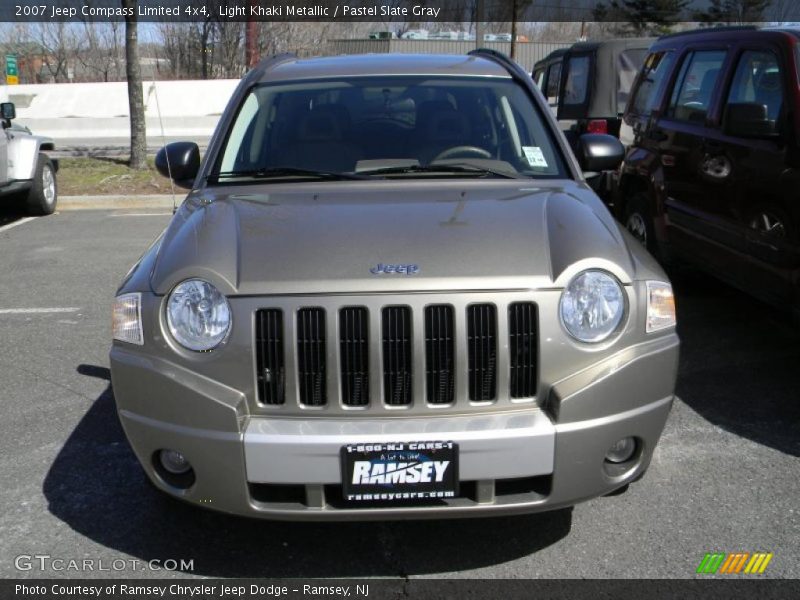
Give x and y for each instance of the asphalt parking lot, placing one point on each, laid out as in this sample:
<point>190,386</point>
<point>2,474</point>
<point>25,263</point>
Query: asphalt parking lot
<point>725,477</point>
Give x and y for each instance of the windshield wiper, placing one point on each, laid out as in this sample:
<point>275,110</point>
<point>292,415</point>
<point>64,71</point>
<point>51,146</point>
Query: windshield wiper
<point>285,172</point>
<point>459,168</point>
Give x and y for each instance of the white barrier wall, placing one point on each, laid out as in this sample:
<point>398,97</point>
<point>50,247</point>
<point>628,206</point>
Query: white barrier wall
<point>100,110</point>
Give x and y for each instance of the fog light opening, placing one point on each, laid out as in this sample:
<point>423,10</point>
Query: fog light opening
<point>173,468</point>
<point>622,450</point>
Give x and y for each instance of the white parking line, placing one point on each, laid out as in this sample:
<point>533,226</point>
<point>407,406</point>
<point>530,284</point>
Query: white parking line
<point>163,214</point>
<point>15,223</point>
<point>26,311</point>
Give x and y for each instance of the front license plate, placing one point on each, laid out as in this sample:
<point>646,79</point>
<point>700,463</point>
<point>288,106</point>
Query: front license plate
<point>400,471</point>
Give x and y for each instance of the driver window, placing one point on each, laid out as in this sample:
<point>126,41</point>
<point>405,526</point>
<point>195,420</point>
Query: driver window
<point>758,81</point>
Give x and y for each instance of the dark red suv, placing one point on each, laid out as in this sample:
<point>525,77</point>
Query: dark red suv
<point>712,175</point>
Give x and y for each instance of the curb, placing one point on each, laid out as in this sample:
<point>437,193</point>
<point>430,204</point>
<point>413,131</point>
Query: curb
<point>118,202</point>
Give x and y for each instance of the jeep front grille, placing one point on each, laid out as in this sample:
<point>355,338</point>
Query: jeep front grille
<point>379,353</point>
<point>482,347</point>
<point>522,348</point>
<point>271,374</point>
<point>354,355</point>
<point>311,367</point>
<point>439,354</point>
<point>397,355</point>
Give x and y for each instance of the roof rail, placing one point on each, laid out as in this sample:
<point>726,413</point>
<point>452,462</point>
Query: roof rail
<point>716,29</point>
<point>270,62</point>
<point>504,61</point>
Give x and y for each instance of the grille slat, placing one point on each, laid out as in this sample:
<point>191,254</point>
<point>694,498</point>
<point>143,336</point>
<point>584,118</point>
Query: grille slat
<point>522,341</point>
<point>354,355</point>
<point>311,362</point>
<point>482,351</point>
<point>439,354</point>
<point>396,337</point>
<point>271,372</point>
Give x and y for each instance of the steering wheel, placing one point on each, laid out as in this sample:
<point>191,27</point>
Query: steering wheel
<point>458,151</point>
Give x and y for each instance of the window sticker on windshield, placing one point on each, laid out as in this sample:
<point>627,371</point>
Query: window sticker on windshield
<point>534,156</point>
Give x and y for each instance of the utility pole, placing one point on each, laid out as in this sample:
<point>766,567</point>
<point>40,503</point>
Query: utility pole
<point>480,23</point>
<point>250,34</point>
<point>513,29</point>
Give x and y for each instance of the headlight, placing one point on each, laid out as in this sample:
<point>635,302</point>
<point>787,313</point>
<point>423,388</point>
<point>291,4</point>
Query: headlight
<point>198,315</point>
<point>660,306</point>
<point>592,306</point>
<point>126,317</point>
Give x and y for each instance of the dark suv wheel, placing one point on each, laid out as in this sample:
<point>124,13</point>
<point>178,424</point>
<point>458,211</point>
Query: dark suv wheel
<point>638,220</point>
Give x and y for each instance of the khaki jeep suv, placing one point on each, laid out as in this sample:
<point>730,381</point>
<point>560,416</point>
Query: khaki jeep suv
<point>712,176</point>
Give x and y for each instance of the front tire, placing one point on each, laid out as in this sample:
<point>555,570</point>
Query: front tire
<point>43,195</point>
<point>638,221</point>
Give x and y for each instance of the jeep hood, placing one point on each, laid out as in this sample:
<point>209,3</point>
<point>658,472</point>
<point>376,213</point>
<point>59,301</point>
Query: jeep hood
<point>297,239</point>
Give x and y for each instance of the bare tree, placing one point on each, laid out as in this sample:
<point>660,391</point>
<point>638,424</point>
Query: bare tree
<point>230,41</point>
<point>175,47</point>
<point>133,72</point>
<point>59,46</point>
<point>100,50</point>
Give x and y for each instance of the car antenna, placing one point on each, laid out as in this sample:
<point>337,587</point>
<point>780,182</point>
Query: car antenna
<point>163,137</point>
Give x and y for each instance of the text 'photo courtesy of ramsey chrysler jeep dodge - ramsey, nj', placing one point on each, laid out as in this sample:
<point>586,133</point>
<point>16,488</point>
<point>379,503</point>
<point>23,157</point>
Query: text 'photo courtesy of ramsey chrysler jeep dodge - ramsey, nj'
<point>390,293</point>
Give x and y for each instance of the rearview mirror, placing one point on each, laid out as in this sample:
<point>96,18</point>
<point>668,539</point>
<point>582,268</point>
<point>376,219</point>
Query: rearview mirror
<point>8,111</point>
<point>180,162</point>
<point>749,120</point>
<point>599,152</point>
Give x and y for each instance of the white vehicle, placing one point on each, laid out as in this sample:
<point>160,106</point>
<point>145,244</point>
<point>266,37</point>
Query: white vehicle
<point>497,37</point>
<point>26,172</point>
<point>415,34</point>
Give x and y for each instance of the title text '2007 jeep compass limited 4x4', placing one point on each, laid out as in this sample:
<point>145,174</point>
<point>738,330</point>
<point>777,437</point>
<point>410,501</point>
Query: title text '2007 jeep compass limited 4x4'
<point>391,294</point>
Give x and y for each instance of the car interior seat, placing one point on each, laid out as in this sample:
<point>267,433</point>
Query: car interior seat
<point>442,127</point>
<point>320,141</point>
<point>699,105</point>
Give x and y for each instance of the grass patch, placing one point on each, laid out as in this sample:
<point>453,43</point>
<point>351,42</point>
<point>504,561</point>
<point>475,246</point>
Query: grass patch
<point>87,176</point>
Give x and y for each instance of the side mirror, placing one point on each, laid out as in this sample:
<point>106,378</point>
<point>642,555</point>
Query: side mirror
<point>748,120</point>
<point>599,152</point>
<point>8,111</point>
<point>180,162</point>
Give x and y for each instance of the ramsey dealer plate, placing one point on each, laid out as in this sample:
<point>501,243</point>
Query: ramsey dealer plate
<point>400,471</point>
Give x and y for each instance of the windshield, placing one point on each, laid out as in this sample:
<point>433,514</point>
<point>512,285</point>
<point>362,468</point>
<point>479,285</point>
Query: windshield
<point>389,127</point>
